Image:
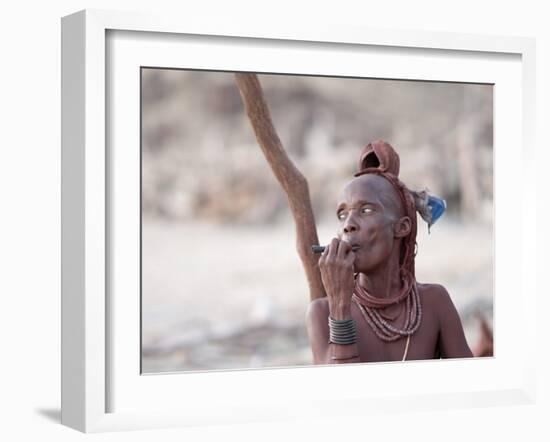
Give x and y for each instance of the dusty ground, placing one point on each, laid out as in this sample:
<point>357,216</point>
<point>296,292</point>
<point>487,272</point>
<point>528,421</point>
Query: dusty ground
<point>219,297</point>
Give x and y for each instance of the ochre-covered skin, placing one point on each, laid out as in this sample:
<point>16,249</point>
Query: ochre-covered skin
<point>372,218</point>
<point>440,333</point>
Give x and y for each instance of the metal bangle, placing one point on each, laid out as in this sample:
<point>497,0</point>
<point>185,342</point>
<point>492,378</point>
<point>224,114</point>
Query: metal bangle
<point>342,331</point>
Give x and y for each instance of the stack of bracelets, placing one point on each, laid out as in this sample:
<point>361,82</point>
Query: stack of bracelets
<point>342,331</point>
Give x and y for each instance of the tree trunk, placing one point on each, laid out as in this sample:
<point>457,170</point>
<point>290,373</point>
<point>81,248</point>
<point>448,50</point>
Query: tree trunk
<point>291,179</point>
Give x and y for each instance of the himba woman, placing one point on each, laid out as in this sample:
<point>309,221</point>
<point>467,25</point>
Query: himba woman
<point>375,310</point>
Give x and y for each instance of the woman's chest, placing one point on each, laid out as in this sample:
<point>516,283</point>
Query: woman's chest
<point>422,344</point>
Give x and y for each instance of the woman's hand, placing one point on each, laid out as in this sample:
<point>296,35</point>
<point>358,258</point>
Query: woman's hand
<point>336,266</point>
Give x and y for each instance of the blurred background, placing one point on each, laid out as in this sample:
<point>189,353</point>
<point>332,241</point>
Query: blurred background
<point>222,284</point>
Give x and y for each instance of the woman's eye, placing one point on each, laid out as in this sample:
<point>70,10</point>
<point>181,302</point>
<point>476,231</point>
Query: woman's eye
<point>366,210</point>
<point>341,216</point>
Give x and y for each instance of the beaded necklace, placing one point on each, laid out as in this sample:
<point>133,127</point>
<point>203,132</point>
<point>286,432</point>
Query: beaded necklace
<point>370,305</point>
<point>379,324</point>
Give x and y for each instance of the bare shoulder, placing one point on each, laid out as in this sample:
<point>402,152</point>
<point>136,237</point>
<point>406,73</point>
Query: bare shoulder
<point>452,341</point>
<point>317,328</point>
<point>435,300</point>
<point>317,310</point>
<point>434,295</point>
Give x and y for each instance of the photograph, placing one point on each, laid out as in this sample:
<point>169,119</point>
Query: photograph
<point>296,220</point>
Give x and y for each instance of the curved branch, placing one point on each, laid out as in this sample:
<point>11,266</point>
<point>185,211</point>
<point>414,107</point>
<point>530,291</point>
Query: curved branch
<point>291,179</point>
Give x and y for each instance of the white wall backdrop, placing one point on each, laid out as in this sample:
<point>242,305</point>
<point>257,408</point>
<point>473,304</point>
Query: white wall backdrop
<point>30,215</point>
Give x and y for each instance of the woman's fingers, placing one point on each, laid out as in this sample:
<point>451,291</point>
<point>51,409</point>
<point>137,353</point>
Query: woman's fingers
<point>333,249</point>
<point>343,249</point>
<point>350,260</point>
<point>338,253</point>
<point>323,257</point>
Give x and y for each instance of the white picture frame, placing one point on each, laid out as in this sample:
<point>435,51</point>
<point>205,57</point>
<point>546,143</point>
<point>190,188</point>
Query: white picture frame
<point>90,362</point>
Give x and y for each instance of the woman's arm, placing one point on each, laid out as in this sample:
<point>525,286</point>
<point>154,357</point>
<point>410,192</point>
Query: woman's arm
<point>336,266</point>
<point>451,334</point>
<point>318,331</point>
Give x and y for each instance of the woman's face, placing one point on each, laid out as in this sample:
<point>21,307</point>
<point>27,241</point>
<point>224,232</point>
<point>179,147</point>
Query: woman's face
<point>368,211</point>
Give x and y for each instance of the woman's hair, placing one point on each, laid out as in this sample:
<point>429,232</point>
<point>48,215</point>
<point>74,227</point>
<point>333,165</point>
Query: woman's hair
<point>380,158</point>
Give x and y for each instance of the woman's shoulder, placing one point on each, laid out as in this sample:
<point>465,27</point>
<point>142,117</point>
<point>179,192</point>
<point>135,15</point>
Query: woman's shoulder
<point>432,289</point>
<point>432,293</point>
<point>318,308</point>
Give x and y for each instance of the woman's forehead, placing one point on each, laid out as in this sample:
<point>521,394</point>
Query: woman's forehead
<point>368,187</point>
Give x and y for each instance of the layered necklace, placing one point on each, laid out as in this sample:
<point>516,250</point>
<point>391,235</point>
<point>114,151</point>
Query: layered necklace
<point>370,307</point>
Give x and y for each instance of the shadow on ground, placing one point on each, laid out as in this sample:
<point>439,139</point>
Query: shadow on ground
<point>51,414</point>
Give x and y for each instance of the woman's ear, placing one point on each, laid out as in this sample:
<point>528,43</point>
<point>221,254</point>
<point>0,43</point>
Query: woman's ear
<point>402,227</point>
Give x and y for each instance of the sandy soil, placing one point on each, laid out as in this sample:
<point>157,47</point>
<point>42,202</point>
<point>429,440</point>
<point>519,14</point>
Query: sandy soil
<point>220,297</point>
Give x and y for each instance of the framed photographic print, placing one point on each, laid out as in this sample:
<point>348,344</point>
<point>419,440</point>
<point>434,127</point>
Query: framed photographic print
<point>184,299</point>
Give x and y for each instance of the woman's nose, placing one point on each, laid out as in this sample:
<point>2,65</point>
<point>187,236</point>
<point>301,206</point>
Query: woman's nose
<point>350,225</point>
